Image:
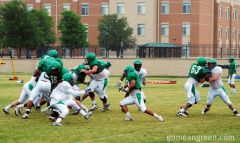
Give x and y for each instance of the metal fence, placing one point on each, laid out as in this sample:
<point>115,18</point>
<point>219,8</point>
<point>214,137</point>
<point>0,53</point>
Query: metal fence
<point>187,51</point>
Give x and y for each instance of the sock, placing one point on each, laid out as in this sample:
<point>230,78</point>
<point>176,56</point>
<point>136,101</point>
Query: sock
<point>84,107</point>
<point>128,114</point>
<point>82,112</point>
<point>28,111</point>
<point>155,115</point>
<point>21,106</point>
<point>94,102</point>
<point>59,120</point>
<point>8,107</point>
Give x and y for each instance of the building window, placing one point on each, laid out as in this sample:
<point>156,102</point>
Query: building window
<point>227,13</point>
<point>165,8</point>
<point>66,7</point>
<point>186,7</point>
<point>227,33</point>
<point>220,11</point>
<point>47,7</point>
<point>29,7</point>
<point>186,29</point>
<point>104,8</point>
<point>164,29</point>
<point>120,8</point>
<point>234,35</point>
<point>85,9</point>
<point>141,8</point>
<point>87,27</point>
<point>235,13</point>
<point>140,29</point>
<point>220,33</point>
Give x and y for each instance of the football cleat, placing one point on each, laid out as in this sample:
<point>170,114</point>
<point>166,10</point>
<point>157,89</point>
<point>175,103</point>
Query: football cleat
<point>5,111</point>
<point>25,116</point>
<point>18,111</point>
<point>88,115</point>
<point>128,118</point>
<point>56,124</point>
<point>159,118</point>
<point>75,113</point>
<point>181,114</point>
<point>105,107</point>
<point>94,107</point>
<point>238,115</point>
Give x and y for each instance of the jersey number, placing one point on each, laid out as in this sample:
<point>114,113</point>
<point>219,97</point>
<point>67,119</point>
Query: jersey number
<point>195,69</point>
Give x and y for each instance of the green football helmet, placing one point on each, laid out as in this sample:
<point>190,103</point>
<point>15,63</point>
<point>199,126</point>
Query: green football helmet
<point>108,65</point>
<point>55,68</point>
<point>90,57</point>
<point>231,59</point>
<point>80,67</point>
<point>67,77</point>
<point>137,64</point>
<point>128,69</point>
<point>201,61</point>
<point>53,53</point>
<point>212,63</point>
<point>64,70</point>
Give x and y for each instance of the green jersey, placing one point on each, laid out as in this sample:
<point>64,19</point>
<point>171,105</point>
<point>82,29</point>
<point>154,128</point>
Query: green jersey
<point>197,72</point>
<point>96,63</point>
<point>232,68</point>
<point>80,75</point>
<point>134,76</point>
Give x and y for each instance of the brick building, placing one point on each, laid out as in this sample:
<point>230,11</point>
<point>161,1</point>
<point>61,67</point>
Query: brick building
<point>202,27</point>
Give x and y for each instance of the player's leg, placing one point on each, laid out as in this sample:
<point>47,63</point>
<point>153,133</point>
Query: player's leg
<point>40,88</point>
<point>141,105</point>
<point>90,91</point>
<point>63,113</point>
<point>233,84</point>
<point>191,93</point>
<point>23,97</point>
<point>101,91</point>
<point>211,96</point>
<point>225,98</point>
<point>123,104</point>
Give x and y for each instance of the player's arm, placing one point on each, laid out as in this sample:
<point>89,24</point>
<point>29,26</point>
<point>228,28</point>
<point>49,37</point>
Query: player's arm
<point>121,79</point>
<point>74,93</point>
<point>214,77</point>
<point>131,86</point>
<point>92,71</point>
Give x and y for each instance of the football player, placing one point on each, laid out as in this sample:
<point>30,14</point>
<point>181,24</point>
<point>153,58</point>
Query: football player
<point>99,81</point>
<point>217,88</point>
<point>61,98</point>
<point>197,74</point>
<point>232,74</point>
<point>135,97</point>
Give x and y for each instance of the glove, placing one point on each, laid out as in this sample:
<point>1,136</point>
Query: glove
<point>119,83</point>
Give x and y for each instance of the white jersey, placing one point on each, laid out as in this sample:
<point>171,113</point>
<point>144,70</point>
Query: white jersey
<point>142,74</point>
<point>217,83</point>
<point>64,91</point>
<point>101,76</point>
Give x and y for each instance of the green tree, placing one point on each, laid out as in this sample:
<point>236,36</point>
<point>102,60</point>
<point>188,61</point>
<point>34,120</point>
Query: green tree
<point>74,33</point>
<point>21,28</point>
<point>115,34</point>
<point>41,25</point>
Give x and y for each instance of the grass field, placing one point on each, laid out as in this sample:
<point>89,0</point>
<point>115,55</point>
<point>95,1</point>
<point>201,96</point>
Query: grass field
<point>219,125</point>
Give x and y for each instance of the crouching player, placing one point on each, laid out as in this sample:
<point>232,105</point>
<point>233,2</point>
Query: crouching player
<point>135,96</point>
<point>217,89</point>
<point>61,99</point>
<point>196,75</point>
